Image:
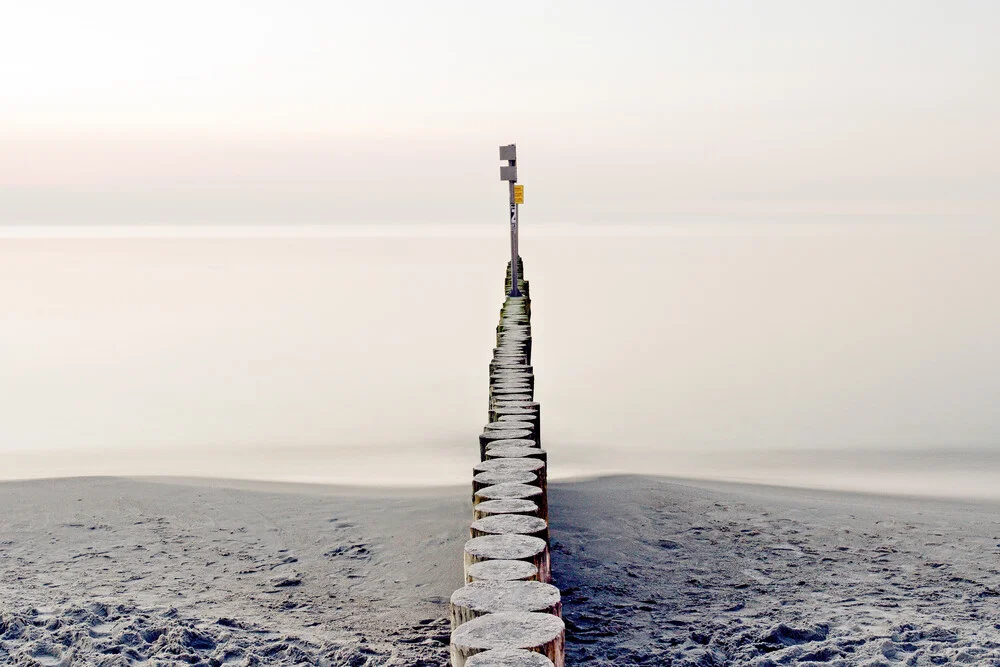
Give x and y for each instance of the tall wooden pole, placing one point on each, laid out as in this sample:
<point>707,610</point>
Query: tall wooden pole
<point>509,174</point>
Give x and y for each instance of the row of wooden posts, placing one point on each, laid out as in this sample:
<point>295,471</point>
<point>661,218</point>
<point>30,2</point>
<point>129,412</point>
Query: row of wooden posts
<point>509,614</point>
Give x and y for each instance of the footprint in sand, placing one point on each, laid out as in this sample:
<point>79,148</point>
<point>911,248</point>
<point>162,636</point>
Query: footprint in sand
<point>350,551</point>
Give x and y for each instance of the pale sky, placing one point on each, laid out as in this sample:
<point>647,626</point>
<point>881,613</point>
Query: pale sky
<point>310,111</point>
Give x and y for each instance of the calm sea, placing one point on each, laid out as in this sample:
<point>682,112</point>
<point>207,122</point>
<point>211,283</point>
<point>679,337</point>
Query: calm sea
<point>843,355</point>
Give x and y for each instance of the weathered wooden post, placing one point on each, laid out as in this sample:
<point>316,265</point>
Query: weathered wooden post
<point>490,597</point>
<point>506,490</point>
<point>510,524</point>
<point>516,452</point>
<point>509,546</point>
<point>489,436</point>
<point>532,631</point>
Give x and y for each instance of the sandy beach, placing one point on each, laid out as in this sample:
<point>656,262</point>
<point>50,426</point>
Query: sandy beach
<point>122,571</point>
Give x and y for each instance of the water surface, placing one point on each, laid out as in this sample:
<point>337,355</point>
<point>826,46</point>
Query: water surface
<point>358,353</point>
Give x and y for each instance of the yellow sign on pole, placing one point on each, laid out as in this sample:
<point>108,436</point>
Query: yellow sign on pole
<point>518,194</point>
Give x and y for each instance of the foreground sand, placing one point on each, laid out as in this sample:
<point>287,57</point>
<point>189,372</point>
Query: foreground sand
<point>672,573</point>
<point>115,571</point>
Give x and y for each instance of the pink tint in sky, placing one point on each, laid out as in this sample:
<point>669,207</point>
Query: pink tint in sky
<point>121,112</point>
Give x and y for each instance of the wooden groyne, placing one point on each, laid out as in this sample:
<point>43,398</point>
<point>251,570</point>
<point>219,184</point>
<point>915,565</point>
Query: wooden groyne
<point>509,614</point>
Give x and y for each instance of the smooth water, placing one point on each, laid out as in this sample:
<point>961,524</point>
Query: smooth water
<point>846,355</point>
